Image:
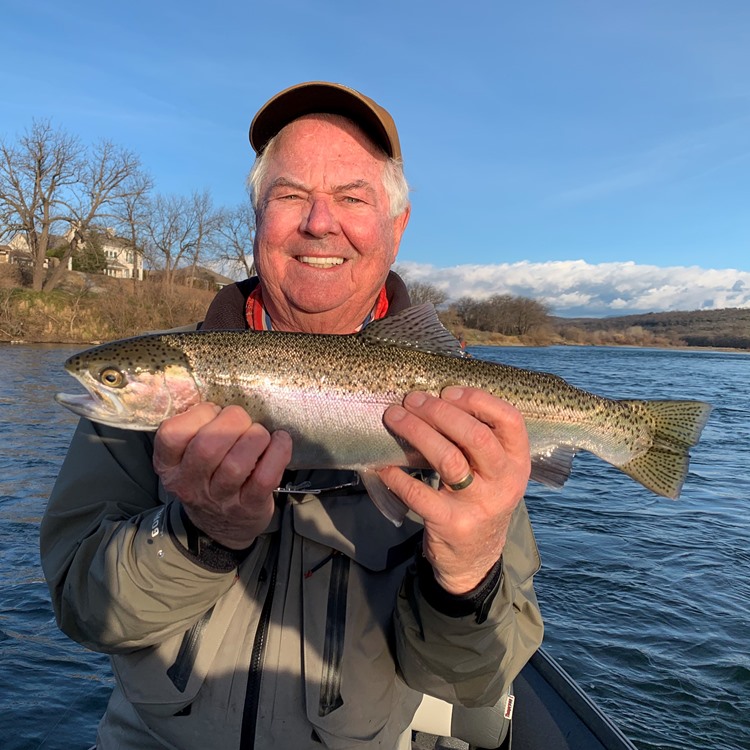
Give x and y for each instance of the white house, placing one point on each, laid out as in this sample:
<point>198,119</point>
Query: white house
<point>123,262</point>
<point>17,251</point>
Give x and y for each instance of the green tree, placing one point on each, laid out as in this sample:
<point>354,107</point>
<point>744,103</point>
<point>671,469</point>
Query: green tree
<point>90,258</point>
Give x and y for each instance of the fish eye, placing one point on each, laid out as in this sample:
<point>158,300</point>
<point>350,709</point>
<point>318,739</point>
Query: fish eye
<point>112,377</point>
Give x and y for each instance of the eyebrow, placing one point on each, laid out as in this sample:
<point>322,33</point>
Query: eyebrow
<point>286,182</point>
<point>354,185</point>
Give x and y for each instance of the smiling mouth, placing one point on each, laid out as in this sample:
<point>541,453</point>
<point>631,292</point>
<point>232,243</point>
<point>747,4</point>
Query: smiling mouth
<point>320,262</point>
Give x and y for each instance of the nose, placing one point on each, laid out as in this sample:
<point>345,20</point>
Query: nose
<point>320,220</point>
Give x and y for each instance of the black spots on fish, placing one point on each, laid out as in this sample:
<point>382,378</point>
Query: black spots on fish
<point>678,423</point>
<point>151,353</point>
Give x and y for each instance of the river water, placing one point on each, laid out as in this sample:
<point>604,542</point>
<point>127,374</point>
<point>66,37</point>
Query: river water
<point>646,601</point>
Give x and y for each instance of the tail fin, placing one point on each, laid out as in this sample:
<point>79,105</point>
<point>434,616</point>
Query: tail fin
<point>677,426</point>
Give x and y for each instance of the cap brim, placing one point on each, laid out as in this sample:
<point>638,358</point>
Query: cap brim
<point>320,96</point>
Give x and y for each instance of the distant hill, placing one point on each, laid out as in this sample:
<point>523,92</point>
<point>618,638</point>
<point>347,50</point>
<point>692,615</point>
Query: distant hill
<point>728,328</point>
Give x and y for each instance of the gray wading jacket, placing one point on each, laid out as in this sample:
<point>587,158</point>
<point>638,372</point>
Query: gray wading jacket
<point>325,634</point>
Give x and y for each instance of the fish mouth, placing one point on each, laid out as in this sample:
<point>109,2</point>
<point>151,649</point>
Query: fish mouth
<point>98,407</point>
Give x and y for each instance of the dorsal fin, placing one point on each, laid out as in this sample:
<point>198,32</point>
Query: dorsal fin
<point>414,328</point>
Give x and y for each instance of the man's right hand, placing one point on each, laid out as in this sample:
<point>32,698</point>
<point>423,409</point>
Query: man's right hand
<point>224,468</point>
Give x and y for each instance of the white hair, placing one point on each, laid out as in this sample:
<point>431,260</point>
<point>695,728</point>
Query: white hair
<point>394,179</point>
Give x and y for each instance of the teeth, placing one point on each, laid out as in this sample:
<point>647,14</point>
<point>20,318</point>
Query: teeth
<point>321,262</point>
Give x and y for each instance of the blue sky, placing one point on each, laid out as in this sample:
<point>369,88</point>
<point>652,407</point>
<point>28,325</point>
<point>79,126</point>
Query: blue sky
<point>594,153</point>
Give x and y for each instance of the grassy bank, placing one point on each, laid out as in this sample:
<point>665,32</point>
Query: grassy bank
<point>86,311</point>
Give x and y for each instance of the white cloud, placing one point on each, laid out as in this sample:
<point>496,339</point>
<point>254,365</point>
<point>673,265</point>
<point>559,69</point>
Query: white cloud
<point>577,288</point>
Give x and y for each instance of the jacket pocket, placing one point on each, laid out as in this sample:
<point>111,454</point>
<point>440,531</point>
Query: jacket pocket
<point>182,667</point>
<point>164,679</point>
<point>352,692</point>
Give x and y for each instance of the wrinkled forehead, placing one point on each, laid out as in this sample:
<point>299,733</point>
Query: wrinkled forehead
<point>323,152</point>
<point>330,128</point>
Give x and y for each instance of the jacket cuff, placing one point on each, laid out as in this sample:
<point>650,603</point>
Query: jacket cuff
<point>197,546</point>
<point>475,602</point>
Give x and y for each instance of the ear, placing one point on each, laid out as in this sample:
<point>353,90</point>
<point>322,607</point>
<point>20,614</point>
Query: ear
<point>399,226</point>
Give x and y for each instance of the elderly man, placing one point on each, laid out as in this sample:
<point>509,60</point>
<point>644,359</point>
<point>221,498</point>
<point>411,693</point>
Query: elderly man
<point>248,606</point>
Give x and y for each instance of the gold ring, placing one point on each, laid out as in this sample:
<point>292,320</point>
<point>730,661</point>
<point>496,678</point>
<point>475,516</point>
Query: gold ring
<point>463,484</point>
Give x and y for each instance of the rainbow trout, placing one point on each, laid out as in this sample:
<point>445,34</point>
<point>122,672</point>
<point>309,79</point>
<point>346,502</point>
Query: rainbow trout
<point>330,391</point>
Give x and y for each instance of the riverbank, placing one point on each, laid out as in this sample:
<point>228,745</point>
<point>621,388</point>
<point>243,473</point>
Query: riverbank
<point>89,309</point>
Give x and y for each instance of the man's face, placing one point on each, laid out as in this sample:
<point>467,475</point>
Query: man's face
<point>325,238</point>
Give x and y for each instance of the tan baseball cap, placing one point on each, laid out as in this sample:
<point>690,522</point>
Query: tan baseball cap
<point>321,96</point>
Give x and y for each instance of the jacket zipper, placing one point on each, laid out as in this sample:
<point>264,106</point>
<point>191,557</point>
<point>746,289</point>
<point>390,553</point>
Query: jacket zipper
<point>333,649</point>
<point>252,694</point>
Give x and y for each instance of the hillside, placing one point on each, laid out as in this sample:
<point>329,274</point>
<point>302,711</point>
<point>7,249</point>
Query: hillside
<point>727,328</point>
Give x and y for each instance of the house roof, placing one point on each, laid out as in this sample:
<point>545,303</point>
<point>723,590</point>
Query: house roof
<point>117,241</point>
<point>200,272</point>
<point>55,240</point>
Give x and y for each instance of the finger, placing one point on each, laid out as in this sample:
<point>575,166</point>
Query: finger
<point>504,419</point>
<point>439,451</point>
<point>480,432</point>
<point>215,439</point>
<point>472,433</point>
<point>416,495</point>
<point>174,434</point>
<point>489,432</point>
<point>509,430</point>
<point>270,467</point>
<point>239,461</point>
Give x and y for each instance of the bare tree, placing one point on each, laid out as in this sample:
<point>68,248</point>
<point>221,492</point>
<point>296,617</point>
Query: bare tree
<point>235,234</point>
<point>498,314</point>
<point>109,176</point>
<point>34,176</point>
<point>503,313</point>
<point>526,315</point>
<point>421,292</point>
<point>177,231</point>
<point>474,313</point>
<point>49,182</point>
<point>205,223</point>
<point>133,216</point>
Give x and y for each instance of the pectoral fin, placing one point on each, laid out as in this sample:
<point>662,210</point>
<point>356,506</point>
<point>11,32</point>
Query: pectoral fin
<point>553,466</point>
<point>385,501</point>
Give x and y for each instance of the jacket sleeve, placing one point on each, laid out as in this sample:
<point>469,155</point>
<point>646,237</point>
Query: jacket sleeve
<point>470,659</point>
<point>112,547</point>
